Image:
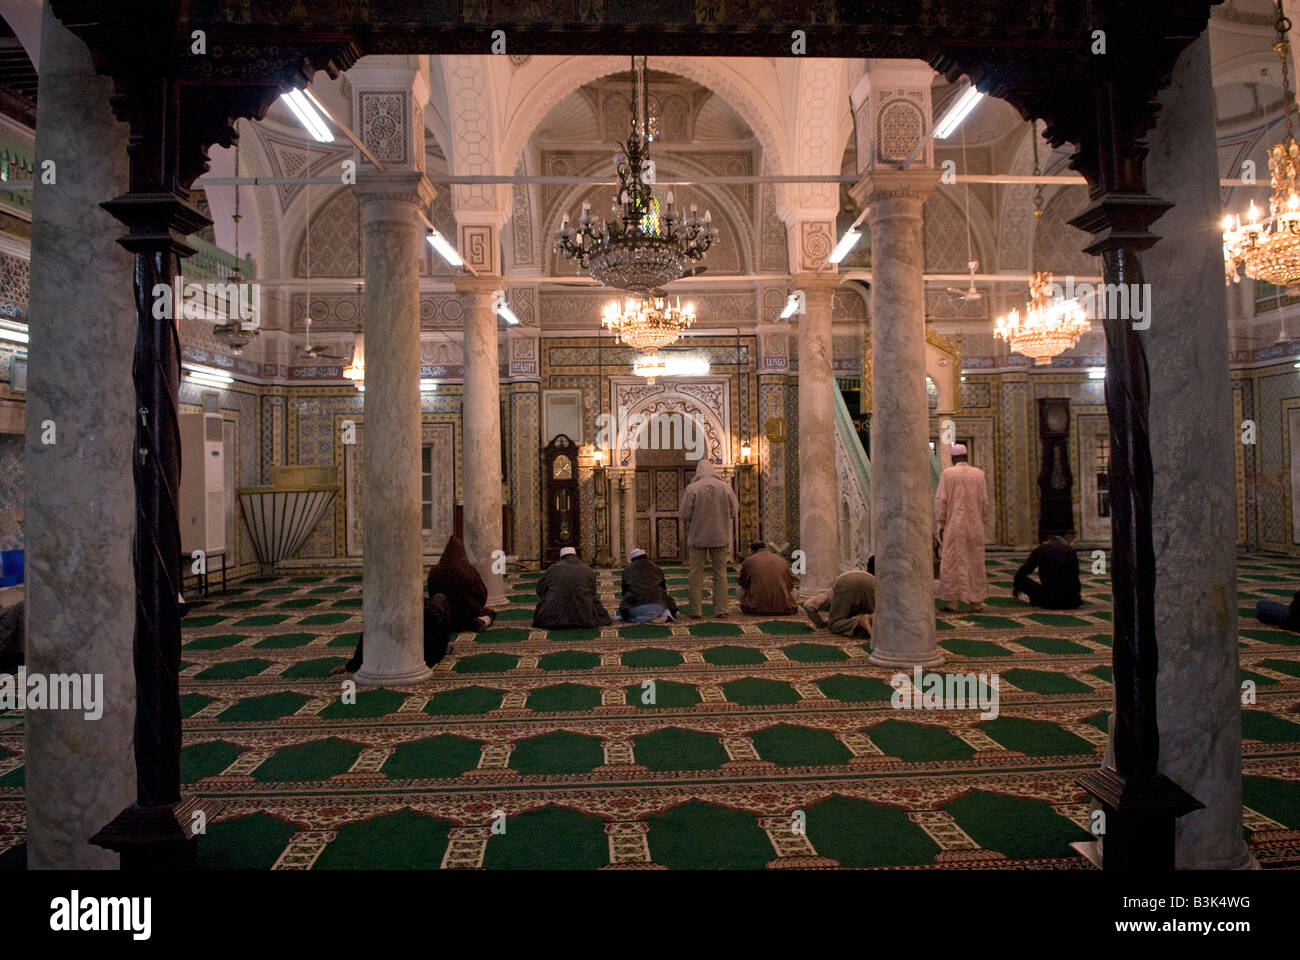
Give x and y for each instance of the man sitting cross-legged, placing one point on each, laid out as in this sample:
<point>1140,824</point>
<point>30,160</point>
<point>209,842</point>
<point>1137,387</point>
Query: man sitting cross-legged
<point>766,583</point>
<point>567,595</point>
<point>1058,570</point>
<point>645,592</point>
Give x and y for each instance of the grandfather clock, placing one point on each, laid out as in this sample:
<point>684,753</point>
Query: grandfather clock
<point>560,461</point>
<point>1056,502</point>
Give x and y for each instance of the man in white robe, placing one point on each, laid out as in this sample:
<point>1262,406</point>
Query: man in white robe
<point>961,509</point>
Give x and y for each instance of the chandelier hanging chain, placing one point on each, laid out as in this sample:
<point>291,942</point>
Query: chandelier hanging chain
<point>1038,187</point>
<point>232,333</point>
<point>1283,49</point>
<point>1050,325</point>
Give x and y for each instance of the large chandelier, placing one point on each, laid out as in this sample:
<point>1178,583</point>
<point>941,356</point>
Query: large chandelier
<point>644,245</point>
<point>1049,326</point>
<point>647,324</point>
<point>1269,248</point>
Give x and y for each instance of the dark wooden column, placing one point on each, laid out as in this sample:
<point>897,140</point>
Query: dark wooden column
<point>178,104</point>
<point>158,830</point>
<point>1104,104</point>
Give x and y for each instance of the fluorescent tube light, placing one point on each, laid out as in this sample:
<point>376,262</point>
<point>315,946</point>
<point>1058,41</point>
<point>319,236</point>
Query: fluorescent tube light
<point>847,243</point>
<point>308,115</point>
<point>957,112</point>
<point>13,332</point>
<point>207,375</point>
<point>445,249</point>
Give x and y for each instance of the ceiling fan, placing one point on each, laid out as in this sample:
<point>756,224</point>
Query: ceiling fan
<point>970,293</point>
<point>319,352</point>
<point>308,353</point>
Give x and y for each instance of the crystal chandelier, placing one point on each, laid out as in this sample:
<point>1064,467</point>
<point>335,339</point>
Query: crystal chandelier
<point>643,246</point>
<point>1050,325</point>
<point>647,324</point>
<point>1269,248</point>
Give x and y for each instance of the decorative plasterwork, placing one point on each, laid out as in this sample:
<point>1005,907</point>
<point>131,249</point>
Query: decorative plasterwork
<point>722,78</point>
<point>569,311</point>
<point>822,102</point>
<point>473,136</point>
<point>816,241</point>
<point>386,125</point>
<point>708,398</point>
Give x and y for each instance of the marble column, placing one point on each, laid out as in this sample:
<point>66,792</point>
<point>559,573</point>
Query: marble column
<point>1194,495</point>
<point>818,510</point>
<point>80,507</point>
<point>902,500</point>
<point>392,572</point>
<point>481,427</point>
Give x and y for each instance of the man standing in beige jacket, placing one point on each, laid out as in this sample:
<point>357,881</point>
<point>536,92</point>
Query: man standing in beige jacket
<point>708,510</point>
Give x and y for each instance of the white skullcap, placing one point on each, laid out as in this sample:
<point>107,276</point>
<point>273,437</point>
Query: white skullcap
<point>959,449</point>
<point>638,552</point>
<point>567,552</point>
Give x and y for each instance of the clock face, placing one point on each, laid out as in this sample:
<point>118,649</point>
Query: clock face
<point>1058,419</point>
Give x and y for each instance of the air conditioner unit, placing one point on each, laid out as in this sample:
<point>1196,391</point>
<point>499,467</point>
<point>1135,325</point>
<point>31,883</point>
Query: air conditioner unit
<point>203,484</point>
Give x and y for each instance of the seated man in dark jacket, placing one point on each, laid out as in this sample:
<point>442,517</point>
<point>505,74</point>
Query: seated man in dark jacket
<point>1279,614</point>
<point>645,593</point>
<point>568,596</point>
<point>1058,567</point>
<point>766,583</point>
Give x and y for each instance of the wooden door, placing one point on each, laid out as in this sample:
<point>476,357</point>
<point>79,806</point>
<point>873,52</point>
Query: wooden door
<point>657,527</point>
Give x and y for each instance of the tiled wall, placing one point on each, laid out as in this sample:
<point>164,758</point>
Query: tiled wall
<point>12,474</point>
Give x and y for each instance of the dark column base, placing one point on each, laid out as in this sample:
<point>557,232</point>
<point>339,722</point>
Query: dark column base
<point>1140,815</point>
<point>157,838</point>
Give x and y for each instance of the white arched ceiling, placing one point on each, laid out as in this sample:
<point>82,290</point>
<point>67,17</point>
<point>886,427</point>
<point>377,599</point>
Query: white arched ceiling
<point>945,210</point>
<point>750,85</point>
<point>1015,233</point>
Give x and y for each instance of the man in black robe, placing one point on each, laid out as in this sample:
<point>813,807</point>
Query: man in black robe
<point>11,638</point>
<point>456,603</point>
<point>1058,570</point>
<point>645,592</point>
<point>1277,614</point>
<point>568,596</point>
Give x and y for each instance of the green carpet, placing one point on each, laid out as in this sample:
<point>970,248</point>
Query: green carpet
<point>745,743</point>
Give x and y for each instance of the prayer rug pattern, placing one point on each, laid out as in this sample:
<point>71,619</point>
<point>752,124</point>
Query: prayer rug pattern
<point>748,742</point>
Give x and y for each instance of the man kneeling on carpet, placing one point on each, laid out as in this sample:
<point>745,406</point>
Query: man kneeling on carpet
<point>848,606</point>
<point>645,592</point>
<point>456,603</point>
<point>766,585</point>
<point>568,595</point>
